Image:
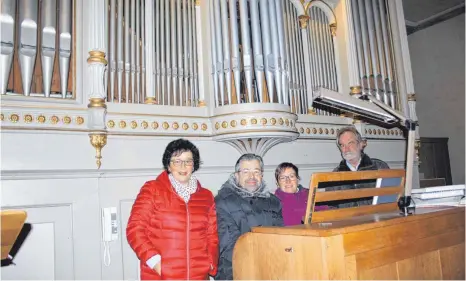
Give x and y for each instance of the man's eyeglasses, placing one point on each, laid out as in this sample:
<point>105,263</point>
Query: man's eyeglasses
<point>246,172</point>
<point>178,162</point>
<point>348,145</point>
<point>290,177</point>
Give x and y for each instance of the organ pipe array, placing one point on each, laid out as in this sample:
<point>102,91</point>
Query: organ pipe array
<point>36,46</point>
<point>374,49</point>
<point>174,54</point>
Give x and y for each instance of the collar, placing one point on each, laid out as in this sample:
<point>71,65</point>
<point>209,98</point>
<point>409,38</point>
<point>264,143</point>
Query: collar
<point>351,167</point>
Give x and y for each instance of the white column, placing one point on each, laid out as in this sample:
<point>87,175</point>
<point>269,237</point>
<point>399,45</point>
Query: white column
<point>149,52</point>
<point>97,25</point>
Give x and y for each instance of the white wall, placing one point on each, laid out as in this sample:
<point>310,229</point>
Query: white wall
<point>437,58</point>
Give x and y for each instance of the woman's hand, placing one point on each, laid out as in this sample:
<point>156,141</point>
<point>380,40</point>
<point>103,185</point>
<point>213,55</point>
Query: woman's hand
<point>158,268</point>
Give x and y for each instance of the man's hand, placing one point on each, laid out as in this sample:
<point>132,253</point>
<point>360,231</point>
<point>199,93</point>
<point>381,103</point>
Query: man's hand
<point>158,268</point>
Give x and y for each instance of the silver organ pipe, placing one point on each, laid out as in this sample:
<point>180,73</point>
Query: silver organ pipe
<point>195,58</point>
<point>167,52</point>
<point>267,48</point>
<point>257,48</point>
<point>64,27</point>
<point>302,84</point>
<point>191,18</point>
<point>246,43</point>
<point>219,51</point>
<point>235,55</point>
<point>49,31</point>
<point>290,87</point>
<point>186,48</point>
<point>179,37</point>
<point>143,54</point>
<point>282,43</point>
<point>158,56</point>
<point>383,67</point>
<point>226,47</point>
<point>137,51</point>
<point>27,37</point>
<point>120,63</point>
<point>275,49</point>
<point>365,48</point>
<point>7,25</point>
<point>111,55</point>
<point>133,49</point>
<point>127,50</point>
<point>373,51</point>
<point>213,48</point>
<point>174,71</point>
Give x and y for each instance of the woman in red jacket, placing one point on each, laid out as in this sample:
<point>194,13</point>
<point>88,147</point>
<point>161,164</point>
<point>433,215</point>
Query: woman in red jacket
<point>173,225</point>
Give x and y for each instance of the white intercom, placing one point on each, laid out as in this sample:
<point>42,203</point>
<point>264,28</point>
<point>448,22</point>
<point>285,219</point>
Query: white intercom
<point>109,224</point>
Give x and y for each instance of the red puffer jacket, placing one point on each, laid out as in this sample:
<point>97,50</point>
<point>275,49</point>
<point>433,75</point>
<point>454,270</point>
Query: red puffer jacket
<point>184,235</point>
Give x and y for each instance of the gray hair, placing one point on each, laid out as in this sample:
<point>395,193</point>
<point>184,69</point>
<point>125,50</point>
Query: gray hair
<point>351,129</point>
<point>249,157</point>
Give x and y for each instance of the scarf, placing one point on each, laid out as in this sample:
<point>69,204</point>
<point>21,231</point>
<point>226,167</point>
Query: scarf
<point>184,191</point>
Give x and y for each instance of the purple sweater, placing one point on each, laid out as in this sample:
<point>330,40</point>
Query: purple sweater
<point>294,205</point>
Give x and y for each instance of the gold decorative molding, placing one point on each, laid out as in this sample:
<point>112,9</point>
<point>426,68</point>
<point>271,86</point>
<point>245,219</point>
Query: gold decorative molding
<point>134,124</point>
<point>14,118</point>
<point>303,21</point>
<point>150,100</point>
<point>412,97</point>
<point>111,124</point>
<point>28,118</point>
<point>197,3</point>
<point>122,124</point>
<point>41,119</point>
<point>311,111</point>
<point>96,102</point>
<point>79,120</point>
<point>98,141</point>
<point>355,90</point>
<point>201,103</point>
<point>67,120</point>
<point>2,117</point>
<point>97,57</point>
<point>54,119</point>
<point>417,147</point>
<point>333,29</point>
<point>144,124</point>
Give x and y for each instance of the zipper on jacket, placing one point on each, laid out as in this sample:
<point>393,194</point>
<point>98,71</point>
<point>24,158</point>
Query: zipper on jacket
<point>187,240</point>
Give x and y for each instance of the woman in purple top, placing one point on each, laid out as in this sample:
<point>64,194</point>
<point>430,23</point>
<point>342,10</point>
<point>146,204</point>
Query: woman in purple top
<point>292,195</point>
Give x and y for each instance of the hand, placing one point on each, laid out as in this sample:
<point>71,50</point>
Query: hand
<point>158,268</point>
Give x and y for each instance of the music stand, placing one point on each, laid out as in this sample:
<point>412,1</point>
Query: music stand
<point>12,223</point>
<point>369,107</point>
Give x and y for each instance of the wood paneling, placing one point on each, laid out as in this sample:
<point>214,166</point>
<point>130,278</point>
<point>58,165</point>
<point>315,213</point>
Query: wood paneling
<point>384,272</point>
<point>452,262</point>
<point>422,267</point>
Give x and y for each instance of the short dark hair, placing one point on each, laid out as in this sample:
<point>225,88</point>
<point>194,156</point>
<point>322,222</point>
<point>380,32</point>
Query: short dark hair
<point>249,157</point>
<point>177,147</point>
<point>283,166</point>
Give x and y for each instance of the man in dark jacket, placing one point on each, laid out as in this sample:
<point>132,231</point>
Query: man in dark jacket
<point>243,202</point>
<point>351,146</point>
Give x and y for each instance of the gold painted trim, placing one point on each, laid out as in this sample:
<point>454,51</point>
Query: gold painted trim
<point>150,100</point>
<point>333,29</point>
<point>197,3</point>
<point>201,103</point>
<point>98,141</point>
<point>311,111</point>
<point>97,57</point>
<point>255,112</point>
<point>303,21</point>
<point>412,97</point>
<point>355,90</point>
<point>96,102</point>
<point>253,131</point>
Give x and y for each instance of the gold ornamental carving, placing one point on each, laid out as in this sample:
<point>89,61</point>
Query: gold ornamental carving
<point>98,141</point>
<point>224,124</point>
<point>314,130</point>
<point>67,120</point>
<point>96,102</point>
<point>201,103</point>
<point>217,126</point>
<point>79,120</point>
<point>2,117</point>
<point>244,122</point>
<point>175,125</point>
<point>97,57</point>
<point>412,97</point>
<point>281,121</point>
<point>301,130</point>
<point>185,126</point>
<point>197,3</point>
<point>273,121</point>
<point>264,121</point>
<point>355,90</point>
<point>195,126</point>
<point>150,100</point>
<point>417,147</point>
<point>41,119</point>
<point>254,121</point>
<point>311,111</point>
<point>233,123</point>
<point>134,124</point>
<point>122,124</point>
<point>14,118</point>
<point>54,119</point>
<point>144,124</point>
<point>303,21</point>
<point>333,29</point>
<point>28,118</point>
<point>154,125</point>
<point>332,131</point>
<point>111,124</point>
<point>165,125</point>
<point>308,131</point>
<point>204,127</point>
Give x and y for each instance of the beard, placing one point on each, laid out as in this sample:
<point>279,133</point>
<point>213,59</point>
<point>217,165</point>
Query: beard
<point>350,156</point>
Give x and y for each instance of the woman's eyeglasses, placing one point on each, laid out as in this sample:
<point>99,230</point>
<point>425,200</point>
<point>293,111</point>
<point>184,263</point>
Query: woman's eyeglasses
<point>178,162</point>
<point>290,177</point>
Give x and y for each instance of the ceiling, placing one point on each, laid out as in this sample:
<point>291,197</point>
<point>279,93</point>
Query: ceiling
<point>420,14</point>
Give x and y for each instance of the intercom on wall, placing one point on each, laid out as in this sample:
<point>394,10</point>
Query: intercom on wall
<point>109,230</point>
